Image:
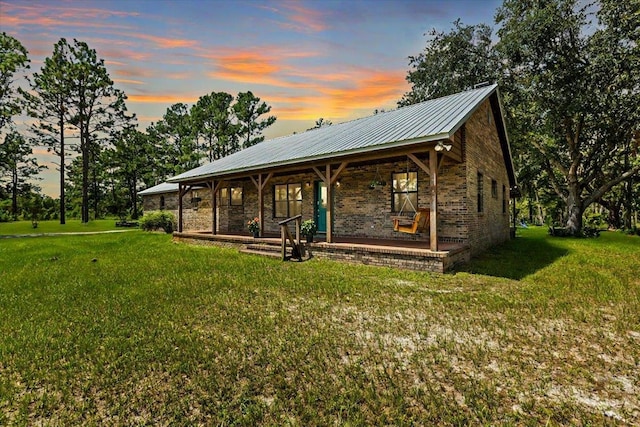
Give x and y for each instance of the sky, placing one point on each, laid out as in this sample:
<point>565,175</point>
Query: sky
<point>338,60</point>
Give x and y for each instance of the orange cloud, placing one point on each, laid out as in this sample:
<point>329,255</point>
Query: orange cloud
<point>127,81</point>
<point>250,67</point>
<point>179,76</point>
<point>133,72</point>
<point>48,15</point>
<point>300,18</point>
<point>368,91</point>
<point>162,99</point>
<point>165,42</point>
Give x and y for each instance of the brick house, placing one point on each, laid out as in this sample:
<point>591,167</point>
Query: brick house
<point>450,155</point>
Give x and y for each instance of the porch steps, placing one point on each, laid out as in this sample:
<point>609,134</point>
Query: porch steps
<point>267,249</point>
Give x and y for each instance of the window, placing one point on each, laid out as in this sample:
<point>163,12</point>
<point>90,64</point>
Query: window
<point>480,193</point>
<point>162,203</point>
<point>494,188</point>
<point>404,192</point>
<point>287,200</point>
<point>235,196</point>
<point>504,199</point>
<point>224,196</point>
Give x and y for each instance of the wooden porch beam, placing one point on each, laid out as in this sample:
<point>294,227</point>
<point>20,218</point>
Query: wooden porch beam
<point>260,204</point>
<point>260,184</point>
<point>327,180</point>
<point>322,177</point>
<point>419,162</point>
<point>338,171</point>
<point>218,185</point>
<point>267,179</point>
<point>180,194</point>
<point>433,226</point>
<point>214,206</point>
<point>440,162</point>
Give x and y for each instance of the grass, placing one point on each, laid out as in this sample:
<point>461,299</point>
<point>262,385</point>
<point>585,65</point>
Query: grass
<point>72,225</point>
<point>539,331</point>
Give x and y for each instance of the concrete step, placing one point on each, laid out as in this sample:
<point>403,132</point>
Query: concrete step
<point>263,253</point>
<point>265,247</point>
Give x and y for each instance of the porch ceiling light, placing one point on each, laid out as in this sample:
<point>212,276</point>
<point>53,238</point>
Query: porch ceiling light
<point>440,146</point>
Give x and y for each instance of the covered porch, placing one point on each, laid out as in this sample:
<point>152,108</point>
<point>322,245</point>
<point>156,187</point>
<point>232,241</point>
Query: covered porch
<point>409,254</point>
<point>342,199</point>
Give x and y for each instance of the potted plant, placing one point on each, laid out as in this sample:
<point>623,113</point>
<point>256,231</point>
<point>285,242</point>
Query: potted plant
<point>377,184</point>
<point>254,227</point>
<point>309,229</point>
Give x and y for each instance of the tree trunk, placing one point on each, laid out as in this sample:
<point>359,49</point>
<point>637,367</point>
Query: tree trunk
<point>134,215</point>
<point>628,203</point>
<point>62,167</point>
<point>84,148</point>
<point>14,190</point>
<point>575,209</point>
<point>541,215</point>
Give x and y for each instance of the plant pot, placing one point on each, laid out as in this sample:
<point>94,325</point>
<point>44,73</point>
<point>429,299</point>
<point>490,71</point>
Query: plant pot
<point>256,234</point>
<point>309,238</point>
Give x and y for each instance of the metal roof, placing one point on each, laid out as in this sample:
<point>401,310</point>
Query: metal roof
<point>165,187</point>
<point>427,121</point>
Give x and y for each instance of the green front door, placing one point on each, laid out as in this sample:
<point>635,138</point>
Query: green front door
<point>321,206</point>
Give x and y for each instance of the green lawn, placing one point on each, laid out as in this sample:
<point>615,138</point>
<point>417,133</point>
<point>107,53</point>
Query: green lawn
<point>72,225</point>
<point>132,329</point>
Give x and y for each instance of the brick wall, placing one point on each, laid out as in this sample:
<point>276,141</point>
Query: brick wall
<point>363,212</point>
<point>194,218</point>
<point>484,154</point>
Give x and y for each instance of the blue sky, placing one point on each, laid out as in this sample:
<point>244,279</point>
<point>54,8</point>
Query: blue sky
<point>307,59</point>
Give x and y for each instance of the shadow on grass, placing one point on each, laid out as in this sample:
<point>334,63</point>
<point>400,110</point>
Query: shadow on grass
<point>531,251</point>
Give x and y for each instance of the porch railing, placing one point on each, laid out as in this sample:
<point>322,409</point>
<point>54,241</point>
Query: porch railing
<point>285,235</point>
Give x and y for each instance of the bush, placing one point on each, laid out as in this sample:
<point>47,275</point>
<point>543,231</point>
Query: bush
<point>594,220</point>
<point>158,220</point>
<point>5,216</point>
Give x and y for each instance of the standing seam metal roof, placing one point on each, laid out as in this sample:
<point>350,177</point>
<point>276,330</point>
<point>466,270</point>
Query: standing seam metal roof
<point>165,187</point>
<point>429,120</point>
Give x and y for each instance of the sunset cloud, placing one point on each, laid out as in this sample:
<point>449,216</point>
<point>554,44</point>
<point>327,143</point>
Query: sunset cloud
<point>49,15</point>
<point>164,42</point>
<point>307,59</point>
<point>163,99</point>
<point>300,18</point>
<point>127,81</point>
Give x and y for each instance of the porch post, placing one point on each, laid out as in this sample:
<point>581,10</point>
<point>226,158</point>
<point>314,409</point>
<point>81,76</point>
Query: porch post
<point>260,205</point>
<point>214,208</point>
<point>180,207</point>
<point>329,203</point>
<point>433,226</point>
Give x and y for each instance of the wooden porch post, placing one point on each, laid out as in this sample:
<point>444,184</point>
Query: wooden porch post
<point>214,208</point>
<point>260,184</point>
<point>433,226</point>
<point>260,205</point>
<point>329,185</point>
<point>180,207</point>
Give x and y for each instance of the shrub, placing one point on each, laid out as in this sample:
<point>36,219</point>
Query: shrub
<point>158,220</point>
<point>594,220</point>
<point>5,216</point>
<point>308,228</point>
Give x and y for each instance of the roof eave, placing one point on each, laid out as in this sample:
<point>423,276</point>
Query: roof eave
<point>338,156</point>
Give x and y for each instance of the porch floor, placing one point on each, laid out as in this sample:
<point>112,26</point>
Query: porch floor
<point>412,254</point>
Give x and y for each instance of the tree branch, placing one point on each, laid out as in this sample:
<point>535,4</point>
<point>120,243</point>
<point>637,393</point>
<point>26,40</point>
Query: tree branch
<point>606,187</point>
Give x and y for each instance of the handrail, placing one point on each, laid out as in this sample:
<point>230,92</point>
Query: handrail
<point>285,235</point>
